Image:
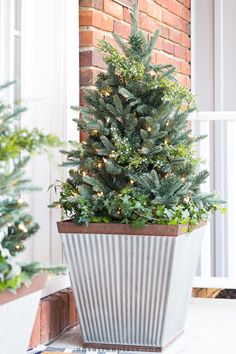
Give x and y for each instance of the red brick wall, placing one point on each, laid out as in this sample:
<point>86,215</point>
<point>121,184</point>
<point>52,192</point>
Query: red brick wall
<point>99,18</point>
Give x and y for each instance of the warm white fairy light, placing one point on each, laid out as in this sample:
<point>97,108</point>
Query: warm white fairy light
<point>100,194</point>
<point>186,199</point>
<point>20,201</point>
<point>99,165</point>
<point>22,228</point>
<point>131,181</point>
<point>112,154</point>
<point>166,141</point>
<point>149,129</point>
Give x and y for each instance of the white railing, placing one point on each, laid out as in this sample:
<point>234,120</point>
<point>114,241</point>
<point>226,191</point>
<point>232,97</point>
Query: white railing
<point>217,265</point>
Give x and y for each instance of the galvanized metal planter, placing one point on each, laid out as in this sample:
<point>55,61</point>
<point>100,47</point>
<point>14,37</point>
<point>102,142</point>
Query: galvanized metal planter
<point>132,287</point>
<point>17,315</point>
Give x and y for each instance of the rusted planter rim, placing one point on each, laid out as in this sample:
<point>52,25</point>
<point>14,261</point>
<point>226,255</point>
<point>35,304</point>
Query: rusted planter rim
<point>37,284</point>
<point>68,227</point>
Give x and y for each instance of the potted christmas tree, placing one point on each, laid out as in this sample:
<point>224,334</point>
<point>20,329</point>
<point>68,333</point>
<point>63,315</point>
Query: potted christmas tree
<point>134,202</point>
<point>20,284</point>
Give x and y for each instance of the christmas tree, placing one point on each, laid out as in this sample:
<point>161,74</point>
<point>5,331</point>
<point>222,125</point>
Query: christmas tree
<point>138,164</point>
<point>16,225</point>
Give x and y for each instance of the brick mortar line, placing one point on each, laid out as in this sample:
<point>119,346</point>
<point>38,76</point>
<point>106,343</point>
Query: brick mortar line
<point>83,8</point>
<point>161,51</point>
<point>98,69</point>
<point>165,39</point>
<point>89,27</point>
<point>177,43</point>
<point>84,28</point>
<point>92,67</point>
<point>173,13</point>
<point>88,49</point>
<point>91,87</point>
<point>167,9</point>
<point>166,54</point>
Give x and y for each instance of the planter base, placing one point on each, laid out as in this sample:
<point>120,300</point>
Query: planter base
<point>128,347</point>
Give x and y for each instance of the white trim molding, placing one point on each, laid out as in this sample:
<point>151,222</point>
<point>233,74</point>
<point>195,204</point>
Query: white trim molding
<point>213,116</point>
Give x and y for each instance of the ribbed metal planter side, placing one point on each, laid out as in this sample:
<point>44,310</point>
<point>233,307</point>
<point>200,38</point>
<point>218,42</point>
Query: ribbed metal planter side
<point>132,290</point>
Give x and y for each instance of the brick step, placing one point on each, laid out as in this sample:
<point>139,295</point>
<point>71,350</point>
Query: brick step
<point>56,312</point>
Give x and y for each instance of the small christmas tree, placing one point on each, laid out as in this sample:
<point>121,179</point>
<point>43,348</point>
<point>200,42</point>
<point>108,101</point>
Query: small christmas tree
<point>16,225</point>
<point>138,164</point>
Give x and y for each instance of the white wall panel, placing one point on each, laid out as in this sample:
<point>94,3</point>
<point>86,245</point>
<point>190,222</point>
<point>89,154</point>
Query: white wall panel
<point>49,87</point>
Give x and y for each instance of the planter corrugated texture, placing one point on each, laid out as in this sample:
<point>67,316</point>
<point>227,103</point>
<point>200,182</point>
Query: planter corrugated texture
<point>17,315</point>
<point>132,286</point>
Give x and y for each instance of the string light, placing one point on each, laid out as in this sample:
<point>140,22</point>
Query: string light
<point>167,123</point>
<point>58,206</point>
<point>112,154</point>
<point>20,201</point>
<point>105,160</point>
<point>166,141</point>
<point>131,181</point>
<point>84,173</point>
<point>149,129</point>
<point>17,247</point>
<point>100,194</point>
<point>22,228</point>
<point>94,131</point>
<point>99,165</point>
<point>186,199</point>
<point>183,179</point>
